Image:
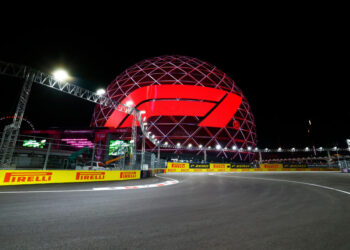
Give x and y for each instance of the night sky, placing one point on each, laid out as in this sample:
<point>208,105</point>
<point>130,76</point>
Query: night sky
<point>290,72</point>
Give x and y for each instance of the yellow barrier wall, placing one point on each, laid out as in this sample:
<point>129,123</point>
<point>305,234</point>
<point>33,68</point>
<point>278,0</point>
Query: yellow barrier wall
<point>23,177</point>
<point>227,167</point>
<point>177,165</point>
<point>271,166</point>
<point>251,170</point>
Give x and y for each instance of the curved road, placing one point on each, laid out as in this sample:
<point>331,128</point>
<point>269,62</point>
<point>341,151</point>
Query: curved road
<point>289,210</point>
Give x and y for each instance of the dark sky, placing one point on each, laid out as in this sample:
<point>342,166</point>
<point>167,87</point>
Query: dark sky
<point>290,69</point>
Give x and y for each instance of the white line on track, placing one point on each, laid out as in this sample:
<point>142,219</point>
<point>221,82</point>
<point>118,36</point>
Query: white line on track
<point>281,180</point>
<point>161,184</point>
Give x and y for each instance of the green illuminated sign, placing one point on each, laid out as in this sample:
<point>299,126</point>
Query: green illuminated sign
<point>34,143</point>
<point>118,147</point>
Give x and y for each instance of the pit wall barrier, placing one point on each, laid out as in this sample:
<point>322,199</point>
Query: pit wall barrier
<point>25,177</point>
<point>228,167</point>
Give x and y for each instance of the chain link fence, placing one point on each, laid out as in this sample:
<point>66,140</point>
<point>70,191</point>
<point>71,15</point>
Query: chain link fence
<point>34,152</point>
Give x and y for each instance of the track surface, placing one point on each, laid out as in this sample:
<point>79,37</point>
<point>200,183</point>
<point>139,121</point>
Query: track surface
<point>203,211</point>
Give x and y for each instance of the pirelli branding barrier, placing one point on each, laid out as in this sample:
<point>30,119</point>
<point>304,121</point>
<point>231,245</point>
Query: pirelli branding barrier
<point>204,167</point>
<point>228,167</point>
<point>199,166</point>
<point>295,165</point>
<point>271,166</point>
<point>23,177</point>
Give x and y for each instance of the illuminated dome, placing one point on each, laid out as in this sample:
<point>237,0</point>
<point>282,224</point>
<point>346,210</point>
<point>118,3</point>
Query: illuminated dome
<point>188,105</point>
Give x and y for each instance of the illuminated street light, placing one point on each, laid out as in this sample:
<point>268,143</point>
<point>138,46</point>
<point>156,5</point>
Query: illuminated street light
<point>100,92</point>
<point>249,148</point>
<point>190,145</point>
<point>60,75</point>
<point>279,149</point>
<point>178,144</point>
<point>218,147</point>
<point>129,103</point>
<point>307,149</point>
<point>200,146</point>
<point>234,148</point>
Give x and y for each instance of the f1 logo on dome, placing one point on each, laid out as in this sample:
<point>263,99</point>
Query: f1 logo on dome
<point>216,106</point>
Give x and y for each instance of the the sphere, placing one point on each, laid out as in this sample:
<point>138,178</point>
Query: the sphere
<point>189,106</point>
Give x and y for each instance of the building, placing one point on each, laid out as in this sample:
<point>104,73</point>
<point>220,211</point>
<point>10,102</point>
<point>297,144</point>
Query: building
<point>190,106</point>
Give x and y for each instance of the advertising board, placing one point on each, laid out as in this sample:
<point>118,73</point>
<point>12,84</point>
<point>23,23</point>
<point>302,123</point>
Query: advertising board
<point>24,177</point>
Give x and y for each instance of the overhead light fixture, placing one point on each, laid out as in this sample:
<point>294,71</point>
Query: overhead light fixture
<point>60,75</point>
<point>129,103</point>
<point>100,92</point>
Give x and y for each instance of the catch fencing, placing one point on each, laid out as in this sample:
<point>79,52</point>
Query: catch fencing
<point>34,152</point>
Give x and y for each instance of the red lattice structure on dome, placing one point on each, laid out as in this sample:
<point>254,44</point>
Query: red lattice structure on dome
<point>186,102</point>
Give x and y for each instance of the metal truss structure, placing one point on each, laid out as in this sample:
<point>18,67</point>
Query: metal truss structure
<point>182,133</point>
<point>30,75</point>
<point>9,138</point>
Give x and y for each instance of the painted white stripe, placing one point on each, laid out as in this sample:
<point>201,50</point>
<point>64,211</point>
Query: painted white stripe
<point>281,180</point>
<point>161,184</point>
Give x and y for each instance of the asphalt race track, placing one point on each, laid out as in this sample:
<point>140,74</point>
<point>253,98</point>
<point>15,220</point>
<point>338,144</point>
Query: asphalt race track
<point>289,210</point>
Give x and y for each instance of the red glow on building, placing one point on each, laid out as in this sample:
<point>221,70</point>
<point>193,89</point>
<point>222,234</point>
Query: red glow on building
<point>186,101</point>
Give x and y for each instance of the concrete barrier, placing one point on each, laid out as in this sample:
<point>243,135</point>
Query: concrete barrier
<point>25,177</point>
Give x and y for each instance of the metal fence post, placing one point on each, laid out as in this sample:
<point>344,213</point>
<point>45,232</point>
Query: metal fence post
<point>158,158</point>
<point>142,152</point>
<point>134,140</point>
<point>260,157</point>
<point>93,156</point>
<point>47,156</point>
<point>123,167</point>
